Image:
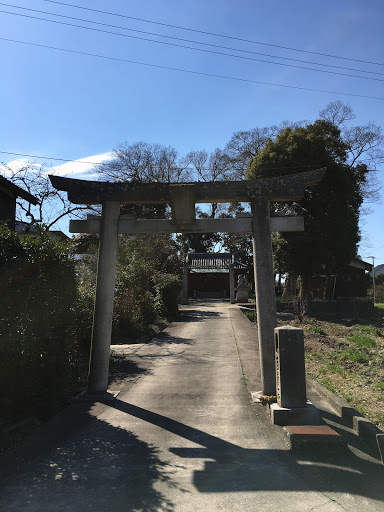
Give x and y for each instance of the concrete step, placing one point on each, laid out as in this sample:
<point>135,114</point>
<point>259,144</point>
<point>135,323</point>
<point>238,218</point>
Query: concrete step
<point>302,437</point>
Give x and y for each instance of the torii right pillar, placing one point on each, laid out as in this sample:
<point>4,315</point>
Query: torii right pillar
<point>265,292</point>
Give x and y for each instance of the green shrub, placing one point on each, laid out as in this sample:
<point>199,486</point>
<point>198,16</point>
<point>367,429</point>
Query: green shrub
<point>379,291</point>
<point>148,279</point>
<point>134,305</point>
<point>167,287</point>
<point>46,310</point>
<point>251,315</point>
<point>42,346</point>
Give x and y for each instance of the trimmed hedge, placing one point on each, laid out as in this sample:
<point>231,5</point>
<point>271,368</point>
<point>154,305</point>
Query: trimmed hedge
<point>44,324</point>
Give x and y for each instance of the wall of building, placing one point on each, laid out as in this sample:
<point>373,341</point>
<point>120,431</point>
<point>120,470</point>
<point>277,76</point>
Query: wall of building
<point>352,282</point>
<point>214,285</point>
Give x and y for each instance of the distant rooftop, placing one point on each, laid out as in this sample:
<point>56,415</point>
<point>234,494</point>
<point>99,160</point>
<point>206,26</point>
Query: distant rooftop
<point>21,227</point>
<point>17,191</point>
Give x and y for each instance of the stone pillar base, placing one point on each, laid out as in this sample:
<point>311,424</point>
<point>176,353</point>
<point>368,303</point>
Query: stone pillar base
<point>282,416</point>
<point>95,397</point>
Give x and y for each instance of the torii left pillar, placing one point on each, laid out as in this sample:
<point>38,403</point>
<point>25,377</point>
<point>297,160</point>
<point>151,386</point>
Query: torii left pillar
<point>105,290</point>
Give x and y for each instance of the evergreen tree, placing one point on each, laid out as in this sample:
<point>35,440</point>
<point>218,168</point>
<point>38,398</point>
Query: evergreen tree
<point>330,210</point>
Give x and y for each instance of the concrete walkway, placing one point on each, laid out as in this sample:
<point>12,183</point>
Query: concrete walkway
<point>185,437</point>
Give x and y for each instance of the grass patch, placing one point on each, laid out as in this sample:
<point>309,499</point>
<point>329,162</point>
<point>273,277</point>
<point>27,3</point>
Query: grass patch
<point>362,340</point>
<point>346,355</point>
<point>337,368</point>
<point>379,386</point>
<point>354,355</point>
<point>349,359</point>
<point>317,330</point>
<point>285,300</point>
<point>368,329</point>
<point>327,383</point>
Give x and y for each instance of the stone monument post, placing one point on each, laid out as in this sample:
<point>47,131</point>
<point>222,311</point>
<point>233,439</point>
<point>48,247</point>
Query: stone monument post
<point>242,291</point>
<point>292,407</point>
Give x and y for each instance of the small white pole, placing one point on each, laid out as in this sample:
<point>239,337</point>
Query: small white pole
<point>373,277</point>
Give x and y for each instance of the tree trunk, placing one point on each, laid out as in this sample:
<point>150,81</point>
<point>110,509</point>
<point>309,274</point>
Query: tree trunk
<point>305,292</point>
<point>290,286</point>
<point>330,280</point>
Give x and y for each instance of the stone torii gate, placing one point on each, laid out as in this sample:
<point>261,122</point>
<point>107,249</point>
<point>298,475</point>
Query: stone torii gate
<point>182,197</point>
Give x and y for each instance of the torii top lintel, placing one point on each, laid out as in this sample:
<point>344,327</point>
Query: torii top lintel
<point>282,188</point>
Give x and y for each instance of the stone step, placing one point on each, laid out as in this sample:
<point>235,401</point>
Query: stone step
<point>314,437</point>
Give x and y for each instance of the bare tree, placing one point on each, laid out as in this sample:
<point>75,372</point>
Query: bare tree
<point>199,161</point>
<point>365,147</point>
<point>365,144</point>
<point>145,162</point>
<point>337,113</point>
<point>53,204</point>
<point>244,145</point>
<point>211,167</point>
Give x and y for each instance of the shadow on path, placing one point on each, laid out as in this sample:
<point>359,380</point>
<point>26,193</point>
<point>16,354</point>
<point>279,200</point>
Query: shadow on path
<point>122,368</point>
<point>97,466</point>
<point>100,467</point>
<point>164,338</point>
<point>196,315</point>
<point>237,469</point>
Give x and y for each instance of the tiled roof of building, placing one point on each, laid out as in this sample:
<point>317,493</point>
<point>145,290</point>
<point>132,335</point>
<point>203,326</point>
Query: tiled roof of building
<point>17,191</point>
<point>213,260</point>
<point>357,263</point>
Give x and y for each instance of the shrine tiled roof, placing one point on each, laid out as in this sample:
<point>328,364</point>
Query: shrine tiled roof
<point>213,260</point>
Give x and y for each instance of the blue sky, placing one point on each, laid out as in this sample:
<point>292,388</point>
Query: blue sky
<point>60,104</point>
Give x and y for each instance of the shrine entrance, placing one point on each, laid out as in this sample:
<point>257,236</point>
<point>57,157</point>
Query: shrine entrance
<point>182,198</point>
<point>211,275</point>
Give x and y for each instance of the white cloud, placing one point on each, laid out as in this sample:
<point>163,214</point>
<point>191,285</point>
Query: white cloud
<point>82,168</point>
<point>9,168</point>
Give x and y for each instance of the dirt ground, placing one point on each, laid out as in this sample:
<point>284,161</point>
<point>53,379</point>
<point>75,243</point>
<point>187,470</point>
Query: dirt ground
<point>346,355</point>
